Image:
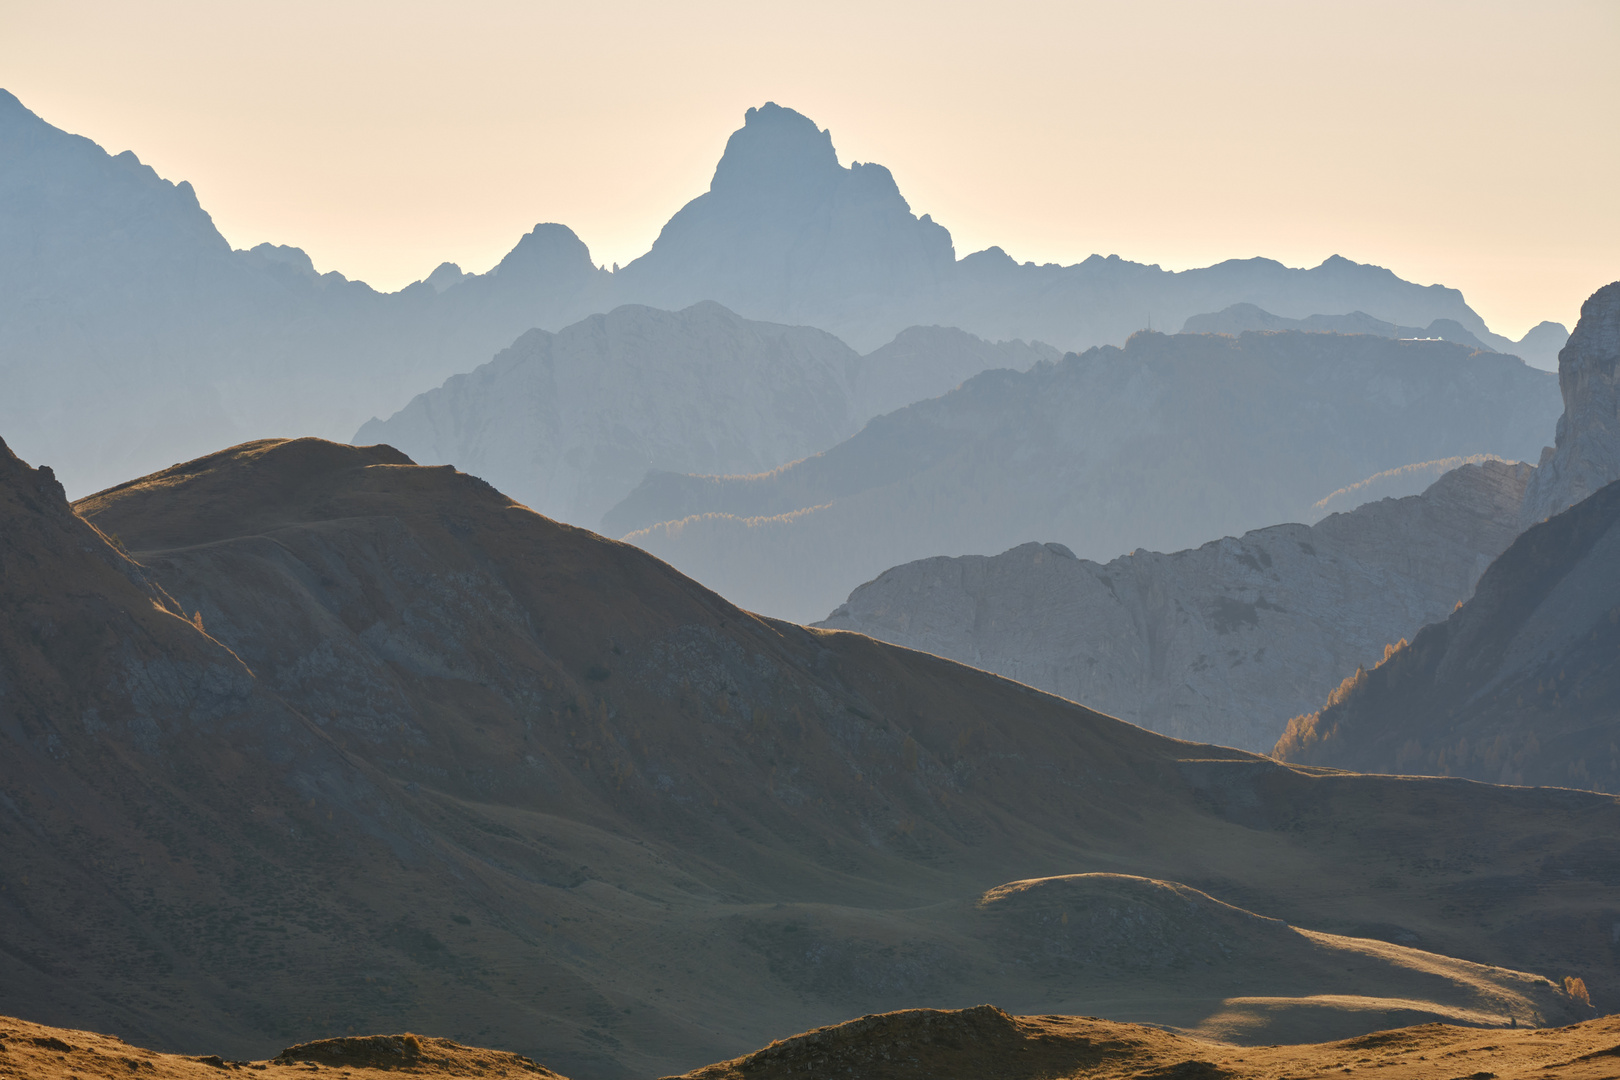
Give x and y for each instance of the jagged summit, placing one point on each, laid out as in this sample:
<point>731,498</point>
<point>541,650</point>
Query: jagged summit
<point>776,148</point>
<point>787,233</point>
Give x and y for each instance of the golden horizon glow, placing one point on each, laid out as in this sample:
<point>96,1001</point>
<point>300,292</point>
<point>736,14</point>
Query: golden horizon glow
<point>1466,143</point>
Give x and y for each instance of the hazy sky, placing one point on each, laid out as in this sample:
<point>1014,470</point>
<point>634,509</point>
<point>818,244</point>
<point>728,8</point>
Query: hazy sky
<point>1474,144</point>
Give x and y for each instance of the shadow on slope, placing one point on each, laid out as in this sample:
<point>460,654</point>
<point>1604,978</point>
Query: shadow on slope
<point>498,778</point>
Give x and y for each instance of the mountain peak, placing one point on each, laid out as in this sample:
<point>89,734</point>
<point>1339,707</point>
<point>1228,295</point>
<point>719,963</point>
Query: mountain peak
<point>776,148</point>
<point>547,249</point>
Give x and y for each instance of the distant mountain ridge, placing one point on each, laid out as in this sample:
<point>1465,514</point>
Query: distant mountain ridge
<point>1538,348</point>
<point>131,335</point>
<point>569,423</point>
<point>1159,445</point>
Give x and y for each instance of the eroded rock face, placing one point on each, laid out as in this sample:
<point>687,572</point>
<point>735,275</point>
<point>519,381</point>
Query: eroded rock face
<point>1222,643</point>
<point>1587,454</point>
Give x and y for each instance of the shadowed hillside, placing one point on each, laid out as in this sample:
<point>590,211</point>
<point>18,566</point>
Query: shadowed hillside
<point>400,753</point>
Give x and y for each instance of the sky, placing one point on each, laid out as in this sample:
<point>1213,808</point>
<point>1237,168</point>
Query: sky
<point>1472,144</point>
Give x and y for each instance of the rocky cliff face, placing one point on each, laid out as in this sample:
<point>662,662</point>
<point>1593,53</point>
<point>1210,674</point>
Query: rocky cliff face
<point>1587,453</point>
<point>1222,643</point>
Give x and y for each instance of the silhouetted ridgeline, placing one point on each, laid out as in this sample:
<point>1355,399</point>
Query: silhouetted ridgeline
<point>1538,348</point>
<point>1160,445</point>
<point>132,336</point>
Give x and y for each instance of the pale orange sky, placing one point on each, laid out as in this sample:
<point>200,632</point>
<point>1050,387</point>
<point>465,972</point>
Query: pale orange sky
<point>1475,144</point>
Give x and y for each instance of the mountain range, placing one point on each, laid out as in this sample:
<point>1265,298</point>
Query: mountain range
<point>132,335</point>
<point>303,738</point>
<point>1159,445</point>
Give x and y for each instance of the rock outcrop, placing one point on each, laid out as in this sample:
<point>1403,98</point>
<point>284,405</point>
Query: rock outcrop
<point>1222,643</point>
<point>1586,456</point>
<point>1159,445</point>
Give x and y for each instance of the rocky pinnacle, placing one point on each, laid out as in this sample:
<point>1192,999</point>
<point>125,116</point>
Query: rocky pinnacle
<point>1587,454</point>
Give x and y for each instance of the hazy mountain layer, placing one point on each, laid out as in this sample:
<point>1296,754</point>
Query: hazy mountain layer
<point>924,362</point>
<point>569,423</point>
<point>469,771</point>
<point>1538,348</point>
<point>1223,643</point>
<point>1160,445</point>
<point>132,336</point>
